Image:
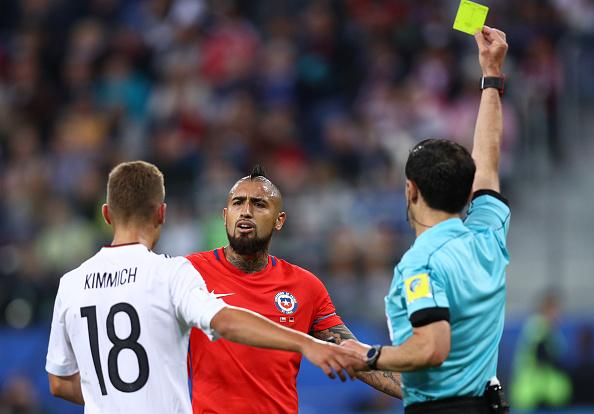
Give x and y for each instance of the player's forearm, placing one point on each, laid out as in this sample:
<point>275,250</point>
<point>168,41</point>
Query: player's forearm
<point>428,346</point>
<point>406,358</point>
<point>385,381</point>
<point>67,388</point>
<point>249,328</point>
<point>487,141</point>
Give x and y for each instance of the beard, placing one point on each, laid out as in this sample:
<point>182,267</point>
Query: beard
<point>249,245</point>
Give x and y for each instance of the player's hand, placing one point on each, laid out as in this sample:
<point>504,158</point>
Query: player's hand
<point>492,48</point>
<point>358,347</point>
<point>334,359</point>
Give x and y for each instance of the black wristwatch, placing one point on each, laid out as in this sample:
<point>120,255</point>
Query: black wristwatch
<point>373,355</point>
<point>493,82</point>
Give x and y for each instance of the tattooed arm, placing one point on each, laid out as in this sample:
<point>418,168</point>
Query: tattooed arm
<point>385,381</point>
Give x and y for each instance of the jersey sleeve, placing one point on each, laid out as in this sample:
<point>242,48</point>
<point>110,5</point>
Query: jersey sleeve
<point>60,359</point>
<point>325,315</point>
<point>425,296</point>
<point>193,305</point>
<point>489,210</point>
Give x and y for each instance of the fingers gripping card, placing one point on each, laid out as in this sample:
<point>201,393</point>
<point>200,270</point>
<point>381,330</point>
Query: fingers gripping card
<point>471,17</point>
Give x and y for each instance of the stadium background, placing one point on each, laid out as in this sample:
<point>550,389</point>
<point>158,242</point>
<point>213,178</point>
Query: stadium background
<point>329,96</point>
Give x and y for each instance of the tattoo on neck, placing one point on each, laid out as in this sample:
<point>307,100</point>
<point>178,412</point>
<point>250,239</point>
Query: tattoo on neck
<point>247,264</point>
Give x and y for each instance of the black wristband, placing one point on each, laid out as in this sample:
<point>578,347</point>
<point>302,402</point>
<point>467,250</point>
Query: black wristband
<point>493,82</point>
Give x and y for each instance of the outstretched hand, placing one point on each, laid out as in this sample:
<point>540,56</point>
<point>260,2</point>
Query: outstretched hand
<point>334,359</point>
<point>359,347</point>
<point>492,46</point>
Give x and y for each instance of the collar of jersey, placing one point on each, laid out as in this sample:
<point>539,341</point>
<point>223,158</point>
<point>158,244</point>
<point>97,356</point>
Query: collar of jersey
<point>446,228</point>
<point>223,260</point>
<point>133,244</point>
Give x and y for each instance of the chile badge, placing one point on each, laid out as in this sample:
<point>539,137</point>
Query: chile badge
<point>285,302</point>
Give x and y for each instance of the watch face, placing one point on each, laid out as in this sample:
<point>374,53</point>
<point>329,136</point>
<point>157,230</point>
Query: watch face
<point>371,353</point>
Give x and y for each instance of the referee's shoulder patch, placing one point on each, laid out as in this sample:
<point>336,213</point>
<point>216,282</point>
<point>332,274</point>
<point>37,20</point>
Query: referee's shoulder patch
<point>417,287</point>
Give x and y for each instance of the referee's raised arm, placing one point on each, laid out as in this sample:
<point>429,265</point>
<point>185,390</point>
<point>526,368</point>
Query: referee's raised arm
<point>492,48</point>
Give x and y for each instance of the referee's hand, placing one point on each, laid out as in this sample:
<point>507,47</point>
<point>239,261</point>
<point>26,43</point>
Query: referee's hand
<point>334,359</point>
<point>492,46</point>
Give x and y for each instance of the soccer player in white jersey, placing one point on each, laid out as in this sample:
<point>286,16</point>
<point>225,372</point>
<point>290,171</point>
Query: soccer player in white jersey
<point>121,322</point>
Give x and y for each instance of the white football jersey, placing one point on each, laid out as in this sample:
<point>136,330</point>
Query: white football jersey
<point>122,319</point>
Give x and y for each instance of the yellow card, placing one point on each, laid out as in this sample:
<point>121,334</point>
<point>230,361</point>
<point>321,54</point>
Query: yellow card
<point>471,17</point>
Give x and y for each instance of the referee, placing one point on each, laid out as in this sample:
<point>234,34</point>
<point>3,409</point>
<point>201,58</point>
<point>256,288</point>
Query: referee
<point>445,306</point>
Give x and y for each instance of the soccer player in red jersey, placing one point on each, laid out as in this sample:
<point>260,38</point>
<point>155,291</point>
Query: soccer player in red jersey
<point>126,289</point>
<point>233,378</point>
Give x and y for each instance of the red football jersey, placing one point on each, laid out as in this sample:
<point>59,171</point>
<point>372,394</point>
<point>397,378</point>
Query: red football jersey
<point>233,378</point>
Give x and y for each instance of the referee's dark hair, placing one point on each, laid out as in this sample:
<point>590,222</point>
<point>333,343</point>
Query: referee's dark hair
<point>443,171</point>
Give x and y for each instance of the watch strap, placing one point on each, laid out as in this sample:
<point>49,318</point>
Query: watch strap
<point>497,82</point>
<point>372,361</point>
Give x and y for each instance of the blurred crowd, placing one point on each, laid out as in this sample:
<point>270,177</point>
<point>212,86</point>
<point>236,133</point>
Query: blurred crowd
<point>551,369</point>
<point>328,95</point>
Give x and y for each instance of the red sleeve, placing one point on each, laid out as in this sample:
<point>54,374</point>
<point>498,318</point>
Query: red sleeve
<point>325,313</point>
<point>192,259</point>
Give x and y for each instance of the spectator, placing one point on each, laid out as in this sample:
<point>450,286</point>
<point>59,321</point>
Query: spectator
<point>18,396</point>
<point>539,379</point>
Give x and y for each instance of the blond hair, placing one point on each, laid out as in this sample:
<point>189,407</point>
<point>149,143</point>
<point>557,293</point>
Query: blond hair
<point>134,191</point>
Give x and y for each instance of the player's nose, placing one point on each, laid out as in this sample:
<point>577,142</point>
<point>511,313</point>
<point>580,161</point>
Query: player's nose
<point>246,211</point>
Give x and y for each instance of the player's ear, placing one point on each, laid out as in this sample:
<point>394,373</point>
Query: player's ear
<point>161,213</point>
<point>412,191</point>
<point>105,213</point>
<point>280,220</point>
<point>225,216</point>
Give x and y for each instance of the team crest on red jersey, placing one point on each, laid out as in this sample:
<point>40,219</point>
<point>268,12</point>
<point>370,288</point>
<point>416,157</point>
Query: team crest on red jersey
<point>285,302</point>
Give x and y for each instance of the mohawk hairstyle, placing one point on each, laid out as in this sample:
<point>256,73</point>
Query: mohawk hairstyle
<point>258,171</point>
<point>259,174</point>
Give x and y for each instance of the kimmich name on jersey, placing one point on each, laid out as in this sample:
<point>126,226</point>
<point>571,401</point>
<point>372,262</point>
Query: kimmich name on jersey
<point>110,279</point>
